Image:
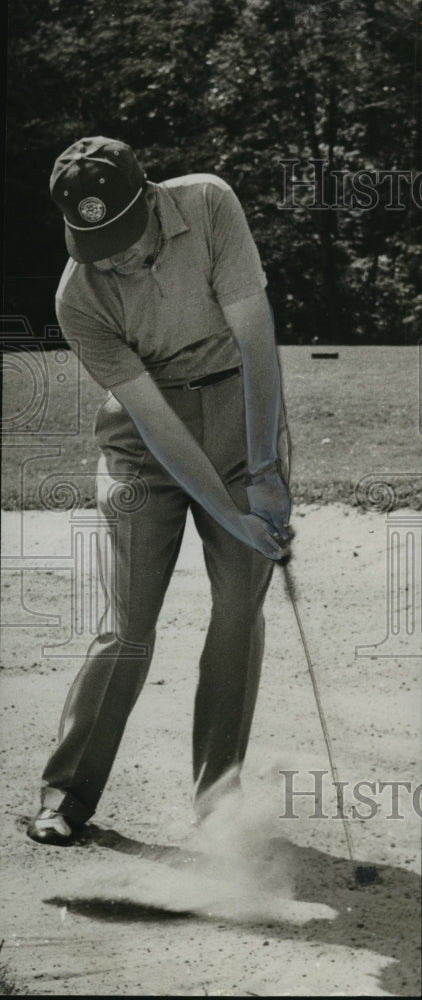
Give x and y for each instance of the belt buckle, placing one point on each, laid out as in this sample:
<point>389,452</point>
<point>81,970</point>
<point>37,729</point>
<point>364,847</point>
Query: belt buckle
<point>188,387</point>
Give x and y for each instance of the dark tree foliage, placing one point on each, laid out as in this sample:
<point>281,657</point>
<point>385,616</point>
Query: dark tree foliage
<point>236,87</point>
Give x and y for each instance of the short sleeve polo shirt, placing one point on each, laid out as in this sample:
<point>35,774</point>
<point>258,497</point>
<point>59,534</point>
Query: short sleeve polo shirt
<point>167,318</point>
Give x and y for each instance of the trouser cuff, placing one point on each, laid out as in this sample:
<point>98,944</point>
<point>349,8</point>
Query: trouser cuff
<point>66,804</point>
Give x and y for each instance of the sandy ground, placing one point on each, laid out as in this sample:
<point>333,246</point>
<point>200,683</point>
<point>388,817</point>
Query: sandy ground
<point>252,904</point>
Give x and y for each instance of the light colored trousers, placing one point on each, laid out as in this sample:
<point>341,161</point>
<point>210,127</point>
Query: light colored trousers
<point>151,522</point>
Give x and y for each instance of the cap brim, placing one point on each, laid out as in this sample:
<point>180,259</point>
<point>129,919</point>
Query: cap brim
<point>89,245</point>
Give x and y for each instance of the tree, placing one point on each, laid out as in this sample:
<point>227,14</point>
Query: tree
<point>236,87</point>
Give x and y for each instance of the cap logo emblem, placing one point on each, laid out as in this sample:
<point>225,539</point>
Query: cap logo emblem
<point>92,209</point>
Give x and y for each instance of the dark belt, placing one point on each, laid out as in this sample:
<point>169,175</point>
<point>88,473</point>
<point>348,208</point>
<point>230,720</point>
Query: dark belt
<point>197,383</point>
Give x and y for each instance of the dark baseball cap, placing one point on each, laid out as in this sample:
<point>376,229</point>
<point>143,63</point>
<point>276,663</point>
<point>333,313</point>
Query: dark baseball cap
<point>99,185</point>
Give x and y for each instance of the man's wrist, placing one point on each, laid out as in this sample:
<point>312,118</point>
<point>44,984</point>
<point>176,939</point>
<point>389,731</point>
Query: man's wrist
<point>253,478</point>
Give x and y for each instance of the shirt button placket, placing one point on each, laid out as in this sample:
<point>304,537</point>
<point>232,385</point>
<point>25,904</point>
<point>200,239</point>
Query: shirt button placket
<point>153,271</point>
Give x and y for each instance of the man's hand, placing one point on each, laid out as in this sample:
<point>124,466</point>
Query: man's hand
<point>269,499</point>
<point>253,532</point>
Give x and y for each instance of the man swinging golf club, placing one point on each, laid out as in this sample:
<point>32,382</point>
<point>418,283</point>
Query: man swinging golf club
<point>165,294</point>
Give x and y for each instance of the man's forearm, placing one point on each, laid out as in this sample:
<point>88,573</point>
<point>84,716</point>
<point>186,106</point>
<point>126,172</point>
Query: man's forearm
<point>252,327</point>
<point>177,450</point>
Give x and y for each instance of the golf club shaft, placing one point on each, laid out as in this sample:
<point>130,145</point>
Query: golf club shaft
<point>327,740</point>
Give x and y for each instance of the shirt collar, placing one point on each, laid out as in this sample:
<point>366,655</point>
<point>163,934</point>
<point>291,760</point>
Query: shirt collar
<point>172,221</point>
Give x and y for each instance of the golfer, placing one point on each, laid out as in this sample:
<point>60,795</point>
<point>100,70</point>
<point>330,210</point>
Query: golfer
<point>165,296</point>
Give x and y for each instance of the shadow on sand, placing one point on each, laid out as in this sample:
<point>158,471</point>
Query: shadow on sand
<point>383,917</point>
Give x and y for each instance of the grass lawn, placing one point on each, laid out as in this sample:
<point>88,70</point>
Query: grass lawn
<point>350,417</point>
